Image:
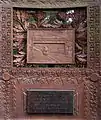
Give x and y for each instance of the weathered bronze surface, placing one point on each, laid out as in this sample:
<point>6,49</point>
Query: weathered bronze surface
<point>50,46</point>
<point>49,101</point>
<point>85,81</point>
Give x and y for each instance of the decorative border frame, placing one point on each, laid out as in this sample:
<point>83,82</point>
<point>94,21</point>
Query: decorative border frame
<point>90,77</point>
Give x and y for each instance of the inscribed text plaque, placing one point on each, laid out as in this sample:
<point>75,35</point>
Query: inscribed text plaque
<point>49,101</point>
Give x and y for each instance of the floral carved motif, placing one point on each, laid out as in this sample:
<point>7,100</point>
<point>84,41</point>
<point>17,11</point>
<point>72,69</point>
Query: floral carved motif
<point>6,76</point>
<point>47,21</point>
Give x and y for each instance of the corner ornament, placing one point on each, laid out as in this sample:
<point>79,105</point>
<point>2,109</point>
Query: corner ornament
<point>94,77</point>
<point>6,76</point>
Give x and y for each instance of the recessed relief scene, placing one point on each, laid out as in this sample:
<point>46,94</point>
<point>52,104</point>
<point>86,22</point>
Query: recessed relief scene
<point>52,46</point>
<point>50,37</point>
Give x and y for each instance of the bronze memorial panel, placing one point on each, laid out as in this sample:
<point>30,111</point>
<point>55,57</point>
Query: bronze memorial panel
<point>49,101</point>
<point>52,46</point>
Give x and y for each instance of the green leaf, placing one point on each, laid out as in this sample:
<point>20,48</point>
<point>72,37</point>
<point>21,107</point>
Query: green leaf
<point>32,20</point>
<point>64,22</point>
<point>43,65</point>
<point>15,51</point>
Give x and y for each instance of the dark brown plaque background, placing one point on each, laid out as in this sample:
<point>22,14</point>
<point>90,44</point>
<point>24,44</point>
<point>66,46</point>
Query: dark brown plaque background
<point>45,101</point>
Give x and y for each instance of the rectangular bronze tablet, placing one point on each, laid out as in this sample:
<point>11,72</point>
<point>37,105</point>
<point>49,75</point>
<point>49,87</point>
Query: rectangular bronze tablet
<point>49,101</point>
<point>50,46</point>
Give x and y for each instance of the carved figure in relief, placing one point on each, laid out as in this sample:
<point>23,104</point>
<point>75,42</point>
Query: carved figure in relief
<point>45,50</point>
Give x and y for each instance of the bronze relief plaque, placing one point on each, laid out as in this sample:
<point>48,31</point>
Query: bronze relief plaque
<point>50,46</point>
<point>49,101</point>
